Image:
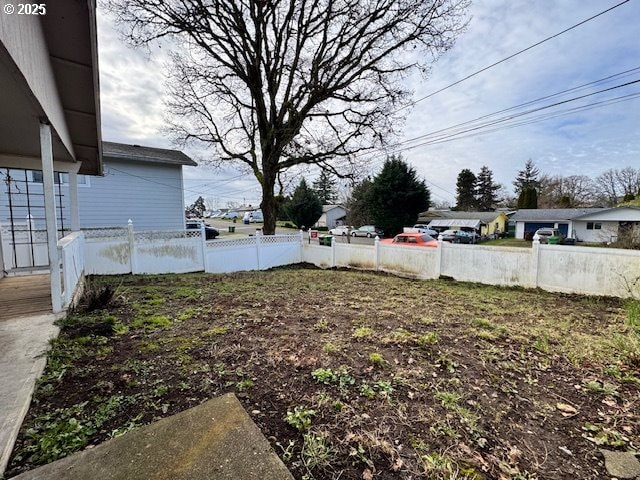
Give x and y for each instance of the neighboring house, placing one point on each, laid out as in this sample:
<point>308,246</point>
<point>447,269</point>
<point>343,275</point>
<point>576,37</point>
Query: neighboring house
<point>485,223</point>
<point>583,224</point>
<point>608,225</point>
<point>143,184</point>
<point>332,216</point>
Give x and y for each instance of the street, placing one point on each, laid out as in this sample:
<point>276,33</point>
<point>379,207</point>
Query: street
<point>242,229</point>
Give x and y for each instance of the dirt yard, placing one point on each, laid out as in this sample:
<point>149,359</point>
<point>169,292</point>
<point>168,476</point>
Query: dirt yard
<point>353,375</point>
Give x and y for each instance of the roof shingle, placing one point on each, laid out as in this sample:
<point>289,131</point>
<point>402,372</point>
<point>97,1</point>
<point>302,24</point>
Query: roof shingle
<point>139,153</point>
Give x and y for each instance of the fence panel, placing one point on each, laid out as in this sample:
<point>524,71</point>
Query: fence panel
<point>233,255</point>
<point>355,256</point>
<point>508,266</point>
<point>317,255</point>
<point>589,270</point>
<point>167,252</point>
<point>107,251</point>
<point>418,262</point>
<point>278,250</point>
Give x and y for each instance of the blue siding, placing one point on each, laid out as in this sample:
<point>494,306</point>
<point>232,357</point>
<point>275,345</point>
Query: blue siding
<point>150,194</point>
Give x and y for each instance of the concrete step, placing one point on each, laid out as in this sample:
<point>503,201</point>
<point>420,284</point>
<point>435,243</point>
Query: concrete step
<point>215,440</point>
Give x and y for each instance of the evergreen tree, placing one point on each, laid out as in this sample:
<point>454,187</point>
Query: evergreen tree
<point>359,204</point>
<point>196,209</point>
<point>486,190</point>
<point>527,178</point>
<point>528,198</point>
<point>326,188</point>
<point>397,196</point>
<point>304,208</point>
<point>466,191</point>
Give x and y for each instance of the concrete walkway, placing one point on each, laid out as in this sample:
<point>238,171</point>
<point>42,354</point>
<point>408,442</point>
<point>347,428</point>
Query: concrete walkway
<point>214,441</point>
<point>23,342</point>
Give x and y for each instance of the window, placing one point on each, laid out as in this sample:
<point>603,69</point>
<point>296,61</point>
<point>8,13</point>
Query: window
<point>36,177</point>
<point>594,226</point>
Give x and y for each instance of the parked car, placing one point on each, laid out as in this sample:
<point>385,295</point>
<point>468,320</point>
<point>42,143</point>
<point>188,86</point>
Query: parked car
<point>256,216</point>
<point>230,215</point>
<point>545,233</point>
<point>368,231</point>
<point>421,228</point>
<point>209,232</point>
<point>412,240</point>
<point>456,236</point>
<point>217,214</point>
<point>343,230</point>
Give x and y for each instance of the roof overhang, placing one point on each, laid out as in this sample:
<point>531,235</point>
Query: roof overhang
<point>49,72</point>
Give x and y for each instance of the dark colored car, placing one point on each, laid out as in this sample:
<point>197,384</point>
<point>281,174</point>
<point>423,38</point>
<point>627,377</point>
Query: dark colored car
<point>209,232</point>
<point>456,236</point>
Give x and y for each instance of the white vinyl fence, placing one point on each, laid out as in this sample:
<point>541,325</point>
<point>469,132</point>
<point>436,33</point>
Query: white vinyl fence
<point>111,251</point>
<point>557,268</point>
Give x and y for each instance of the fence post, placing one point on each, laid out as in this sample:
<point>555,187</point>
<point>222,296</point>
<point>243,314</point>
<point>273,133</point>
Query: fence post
<point>535,259</point>
<point>376,245</point>
<point>301,246</point>
<point>439,257</point>
<point>203,241</point>
<point>333,251</point>
<point>257,236</point>
<point>132,262</point>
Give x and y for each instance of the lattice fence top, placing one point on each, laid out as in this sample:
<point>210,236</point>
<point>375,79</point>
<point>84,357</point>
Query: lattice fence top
<point>276,239</point>
<point>110,232</point>
<point>232,242</point>
<point>166,235</point>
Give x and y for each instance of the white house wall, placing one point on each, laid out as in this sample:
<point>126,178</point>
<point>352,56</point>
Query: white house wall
<point>150,194</point>
<point>608,232</point>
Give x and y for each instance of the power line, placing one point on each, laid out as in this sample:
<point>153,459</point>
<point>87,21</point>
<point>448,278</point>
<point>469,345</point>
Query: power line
<point>511,56</point>
<point>453,128</point>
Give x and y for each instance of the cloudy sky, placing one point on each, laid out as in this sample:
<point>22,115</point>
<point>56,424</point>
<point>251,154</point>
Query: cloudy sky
<point>580,142</point>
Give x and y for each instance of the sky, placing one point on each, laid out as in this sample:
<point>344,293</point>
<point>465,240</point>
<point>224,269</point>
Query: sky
<point>579,143</point>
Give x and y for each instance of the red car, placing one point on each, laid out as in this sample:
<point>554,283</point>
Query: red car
<point>412,240</point>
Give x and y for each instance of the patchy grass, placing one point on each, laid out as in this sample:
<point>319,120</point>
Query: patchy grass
<point>507,242</point>
<point>347,378</point>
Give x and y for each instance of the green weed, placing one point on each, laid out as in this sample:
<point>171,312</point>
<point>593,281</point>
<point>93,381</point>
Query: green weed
<point>300,418</point>
<point>151,323</point>
<point>377,359</point>
<point>362,332</point>
<point>427,339</point>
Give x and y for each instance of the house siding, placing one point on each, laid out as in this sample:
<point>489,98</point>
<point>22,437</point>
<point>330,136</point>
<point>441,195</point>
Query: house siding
<point>150,194</point>
<point>608,232</point>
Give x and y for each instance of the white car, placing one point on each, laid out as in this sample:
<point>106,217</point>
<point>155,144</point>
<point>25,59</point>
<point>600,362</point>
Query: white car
<point>343,230</point>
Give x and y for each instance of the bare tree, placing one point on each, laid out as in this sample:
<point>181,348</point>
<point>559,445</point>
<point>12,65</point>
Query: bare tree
<point>629,181</point>
<point>608,186</point>
<point>277,83</point>
<point>578,190</point>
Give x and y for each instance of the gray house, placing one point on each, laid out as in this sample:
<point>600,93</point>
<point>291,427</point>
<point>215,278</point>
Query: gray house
<point>143,184</point>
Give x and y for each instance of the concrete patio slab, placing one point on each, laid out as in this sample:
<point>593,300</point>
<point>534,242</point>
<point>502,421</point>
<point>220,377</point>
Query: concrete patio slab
<point>23,343</point>
<point>215,441</point>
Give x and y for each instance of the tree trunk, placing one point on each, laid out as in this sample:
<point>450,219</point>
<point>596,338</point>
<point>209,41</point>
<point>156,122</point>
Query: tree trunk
<point>269,204</point>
